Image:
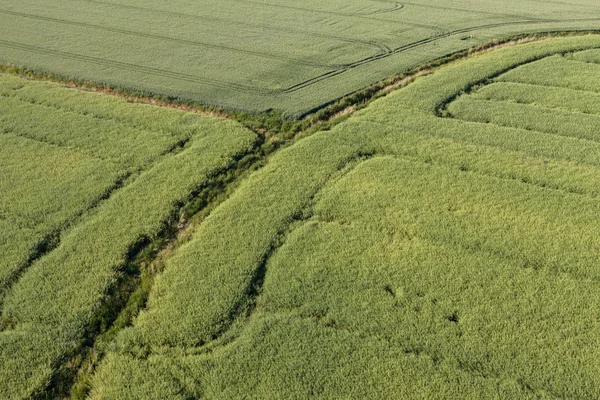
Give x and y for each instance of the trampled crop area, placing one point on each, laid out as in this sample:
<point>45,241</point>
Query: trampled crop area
<point>255,55</point>
<point>435,245</point>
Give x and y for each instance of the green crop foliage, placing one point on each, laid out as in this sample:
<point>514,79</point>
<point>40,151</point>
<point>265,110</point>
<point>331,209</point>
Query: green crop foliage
<point>546,96</point>
<point>62,151</point>
<point>438,244</point>
<point>63,157</point>
<point>43,189</point>
<point>255,55</point>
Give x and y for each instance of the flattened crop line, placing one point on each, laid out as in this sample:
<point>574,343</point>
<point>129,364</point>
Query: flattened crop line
<point>466,119</point>
<point>380,46</point>
<point>263,91</point>
<point>140,69</point>
<point>244,307</point>
<point>171,39</point>
<point>545,186</point>
<point>312,10</point>
<point>45,245</point>
<point>53,239</point>
<point>443,107</point>
<point>371,59</point>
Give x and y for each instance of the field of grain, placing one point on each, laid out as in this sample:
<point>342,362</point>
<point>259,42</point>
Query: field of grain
<point>86,178</point>
<point>177,223</point>
<point>255,55</point>
<point>438,244</point>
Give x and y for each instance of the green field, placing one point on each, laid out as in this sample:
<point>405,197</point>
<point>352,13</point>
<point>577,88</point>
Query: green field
<point>90,177</point>
<point>441,243</point>
<point>257,55</point>
<point>433,236</point>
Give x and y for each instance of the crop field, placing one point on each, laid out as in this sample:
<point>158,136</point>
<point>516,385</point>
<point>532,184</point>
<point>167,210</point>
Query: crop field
<point>436,239</point>
<point>450,252</point>
<point>89,177</point>
<point>256,55</point>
